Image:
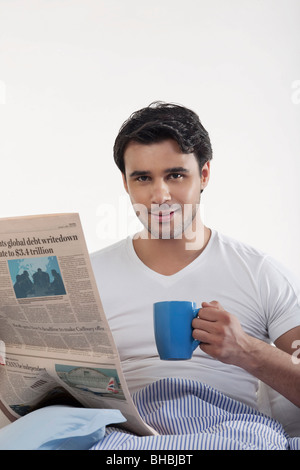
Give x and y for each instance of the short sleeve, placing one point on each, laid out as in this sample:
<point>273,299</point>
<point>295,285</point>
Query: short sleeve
<point>280,297</point>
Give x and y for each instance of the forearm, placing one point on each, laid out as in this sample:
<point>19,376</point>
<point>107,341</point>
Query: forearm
<point>273,366</point>
<point>222,337</point>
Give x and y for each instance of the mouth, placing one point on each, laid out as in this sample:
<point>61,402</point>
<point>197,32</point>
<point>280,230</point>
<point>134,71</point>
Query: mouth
<point>162,216</point>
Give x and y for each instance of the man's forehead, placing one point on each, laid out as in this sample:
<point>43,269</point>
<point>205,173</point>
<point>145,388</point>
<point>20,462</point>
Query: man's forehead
<point>166,153</point>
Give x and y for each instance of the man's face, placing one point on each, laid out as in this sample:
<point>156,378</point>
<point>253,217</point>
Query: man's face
<point>164,186</point>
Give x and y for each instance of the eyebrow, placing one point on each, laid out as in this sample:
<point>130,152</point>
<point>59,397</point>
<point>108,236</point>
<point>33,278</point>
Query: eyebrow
<point>175,169</point>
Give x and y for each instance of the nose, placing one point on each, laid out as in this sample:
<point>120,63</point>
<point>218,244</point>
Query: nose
<point>160,192</point>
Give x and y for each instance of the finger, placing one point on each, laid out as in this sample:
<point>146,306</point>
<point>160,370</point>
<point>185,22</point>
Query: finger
<point>212,303</point>
<point>203,336</point>
<point>208,313</point>
<point>205,325</point>
<point>209,349</point>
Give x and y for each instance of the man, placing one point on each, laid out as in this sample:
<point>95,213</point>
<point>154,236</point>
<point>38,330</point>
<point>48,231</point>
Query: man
<point>247,300</point>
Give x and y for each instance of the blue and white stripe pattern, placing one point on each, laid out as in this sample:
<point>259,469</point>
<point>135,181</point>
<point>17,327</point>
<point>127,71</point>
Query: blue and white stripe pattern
<point>191,415</point>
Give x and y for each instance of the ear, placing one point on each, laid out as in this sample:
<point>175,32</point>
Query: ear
<point>205,173</point>
<point>125,182</point>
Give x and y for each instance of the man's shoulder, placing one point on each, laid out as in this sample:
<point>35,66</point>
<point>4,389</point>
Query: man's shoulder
<point>255,258</point>
<point>231,244</point>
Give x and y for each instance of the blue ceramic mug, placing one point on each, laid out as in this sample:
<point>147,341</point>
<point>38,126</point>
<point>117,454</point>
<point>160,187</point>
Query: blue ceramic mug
<point>173,329</point>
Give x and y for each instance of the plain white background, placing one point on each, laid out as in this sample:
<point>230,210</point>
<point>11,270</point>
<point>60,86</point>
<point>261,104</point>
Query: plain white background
<point>71,71</point>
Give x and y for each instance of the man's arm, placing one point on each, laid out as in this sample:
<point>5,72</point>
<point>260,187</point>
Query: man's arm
<point>222,337</point>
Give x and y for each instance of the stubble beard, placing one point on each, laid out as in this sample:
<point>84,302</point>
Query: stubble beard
<point>183,219</point>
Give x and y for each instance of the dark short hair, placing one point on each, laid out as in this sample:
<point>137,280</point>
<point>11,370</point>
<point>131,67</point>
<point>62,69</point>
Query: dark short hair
<point>160,121</point>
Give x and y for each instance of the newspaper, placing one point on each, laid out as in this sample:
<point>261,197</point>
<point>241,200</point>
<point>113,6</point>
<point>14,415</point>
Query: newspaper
<point>58,344</point>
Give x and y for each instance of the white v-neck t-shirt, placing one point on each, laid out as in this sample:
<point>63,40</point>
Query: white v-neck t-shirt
<point>248,283</point>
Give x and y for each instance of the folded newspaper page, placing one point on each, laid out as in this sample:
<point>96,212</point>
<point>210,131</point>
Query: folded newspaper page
<point>56,342</point>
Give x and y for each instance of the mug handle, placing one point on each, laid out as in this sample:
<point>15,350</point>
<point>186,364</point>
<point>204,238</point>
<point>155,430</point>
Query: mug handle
<point>196,342</point>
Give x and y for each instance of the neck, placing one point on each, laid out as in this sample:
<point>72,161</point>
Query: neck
<point>168,256</point>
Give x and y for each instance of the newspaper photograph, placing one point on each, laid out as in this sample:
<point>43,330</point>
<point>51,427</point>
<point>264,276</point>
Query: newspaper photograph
<point>56,344</point>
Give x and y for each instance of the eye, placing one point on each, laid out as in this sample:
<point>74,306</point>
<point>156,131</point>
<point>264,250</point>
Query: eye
<point>175,176</point>
<point>142,178</point>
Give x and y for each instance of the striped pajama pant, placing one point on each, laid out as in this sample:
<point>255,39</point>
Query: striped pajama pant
<point>191,415</point>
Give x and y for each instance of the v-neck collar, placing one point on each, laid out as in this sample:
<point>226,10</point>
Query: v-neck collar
<point>163,278</point>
